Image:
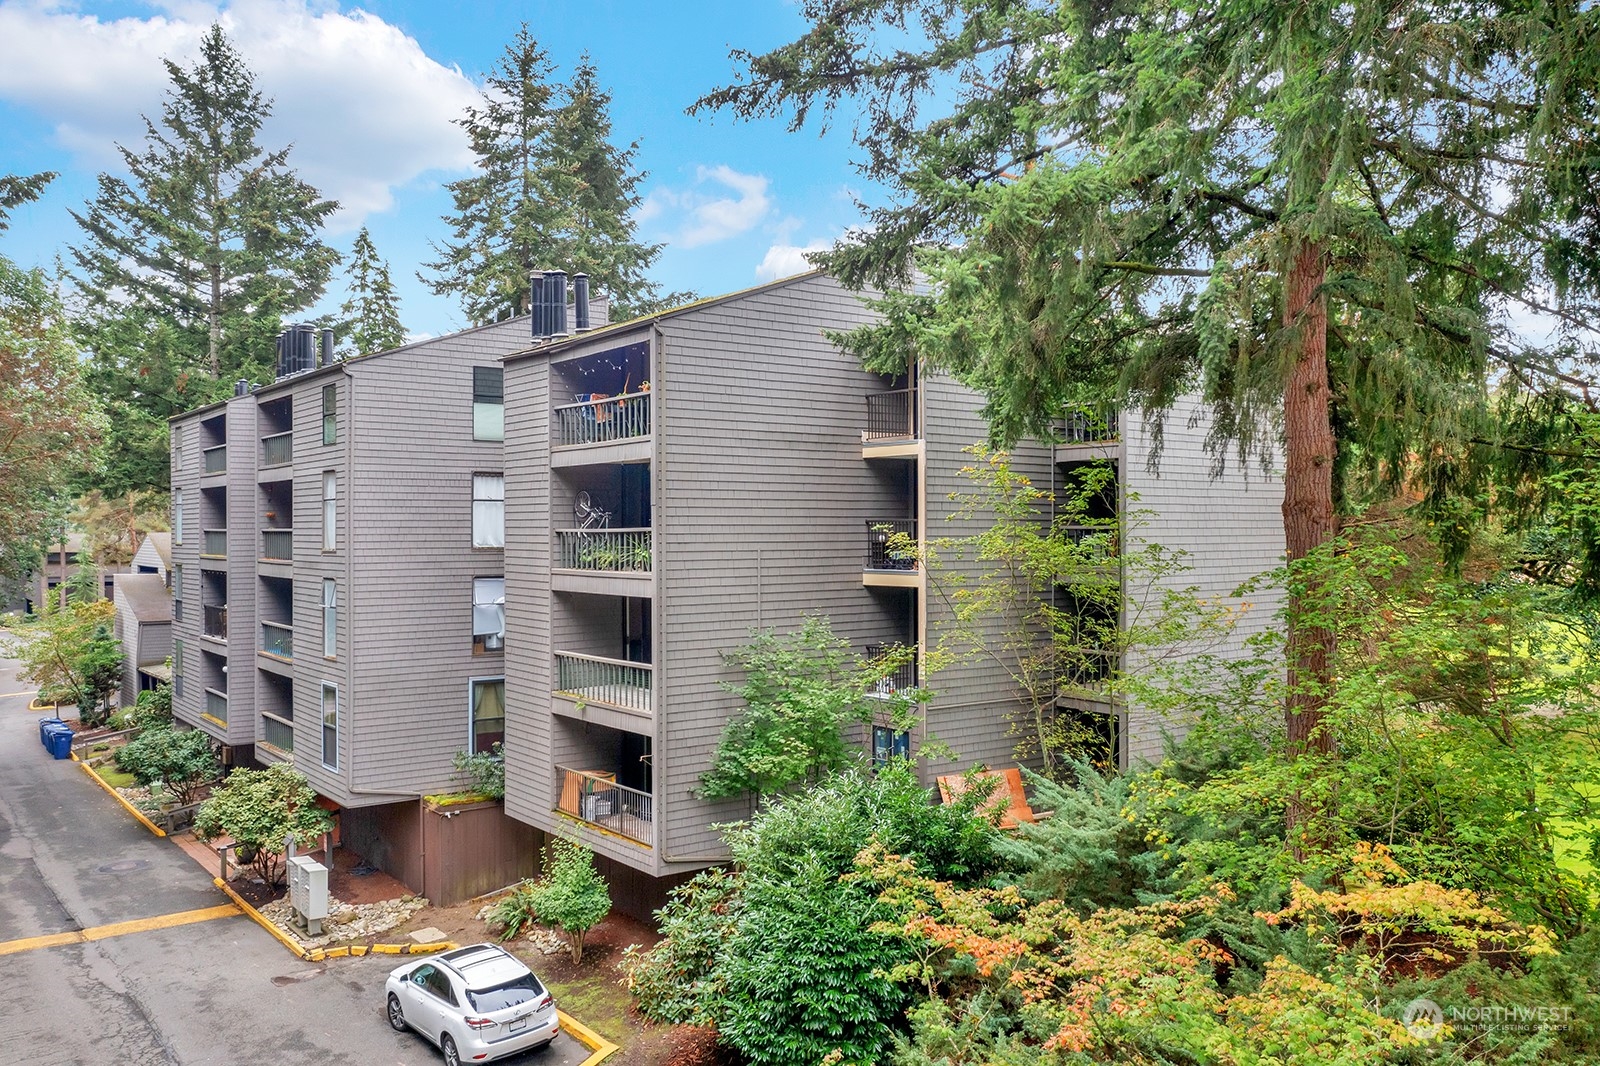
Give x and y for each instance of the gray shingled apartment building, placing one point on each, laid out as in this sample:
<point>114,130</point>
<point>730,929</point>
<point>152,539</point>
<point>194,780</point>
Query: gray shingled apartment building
<point>347,598</point>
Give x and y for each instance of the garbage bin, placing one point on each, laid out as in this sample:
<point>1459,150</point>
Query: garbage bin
<point>61,743</point>
<point>44,729</point>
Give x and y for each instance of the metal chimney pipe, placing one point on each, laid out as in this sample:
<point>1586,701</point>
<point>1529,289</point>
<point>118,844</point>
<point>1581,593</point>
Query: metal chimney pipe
<point>241,387</point>
<point>555,300</point>
<point>580,303</point>
<point>536,304</point>
<point>327,348</point>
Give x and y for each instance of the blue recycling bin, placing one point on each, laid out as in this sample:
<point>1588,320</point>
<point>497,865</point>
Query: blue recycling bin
<point>61,743</point>
<point>45,725</point>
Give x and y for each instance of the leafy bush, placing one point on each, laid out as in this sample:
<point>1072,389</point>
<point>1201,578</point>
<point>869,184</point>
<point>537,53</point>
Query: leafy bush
<point>570,895</point>
<point>151,708</point>
<point>258,808</point>
<point>485,770</point>
<point>181,759</point>
<point>677,981</point>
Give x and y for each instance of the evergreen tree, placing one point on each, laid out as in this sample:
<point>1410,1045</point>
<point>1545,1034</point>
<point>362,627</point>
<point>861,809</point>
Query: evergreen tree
<point>191,261</point>
<point>1315,213</point>
<point>372,313</point>
<point>551,192</point>
<point>19,189</point>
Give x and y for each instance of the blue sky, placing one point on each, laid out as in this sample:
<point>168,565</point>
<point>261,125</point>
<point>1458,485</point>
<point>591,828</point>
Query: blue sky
<point>367,94</point>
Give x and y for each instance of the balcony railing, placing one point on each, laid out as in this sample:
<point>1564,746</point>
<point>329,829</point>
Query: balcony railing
<point>277,639</point>
<point>892,415</point>
<point>901,679</point>
<point>609,550</point>
<point>217,705</point>
<point>882,551</point>
<point>594,419</point>
<point>1090,425</point>
<point>214,622</point>
<point>1086,668</point>
<point>277,733</point>
<point>1099,542</point>
<point>216,459</point>
<point>277,545</point>
<point>214,543</point>
<point>612,682</point>
<point>594,796</point>
<point>277,450</point>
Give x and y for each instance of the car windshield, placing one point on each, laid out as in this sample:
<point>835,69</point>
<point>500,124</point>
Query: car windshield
<point>513,993</point>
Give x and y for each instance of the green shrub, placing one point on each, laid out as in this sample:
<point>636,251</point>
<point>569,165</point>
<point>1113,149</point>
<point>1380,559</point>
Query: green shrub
<point>570,895</point>
<point>258,808</point>
<point>486,770</point>
<point>180,758</point>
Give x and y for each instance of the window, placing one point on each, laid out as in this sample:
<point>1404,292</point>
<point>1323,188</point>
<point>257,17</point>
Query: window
<point>330,511</point>
<point>330,414</point>
<point>330,617</point>
<point>177,516</point>
<point>488,511</point>
<point>177,592</point>
<point>488,614</point>
<point>330,726</point>
<point>488,403</point>
<point>889,743</point>
<point>488,708</point>
<point>177,450</point>
<point>177,669</point>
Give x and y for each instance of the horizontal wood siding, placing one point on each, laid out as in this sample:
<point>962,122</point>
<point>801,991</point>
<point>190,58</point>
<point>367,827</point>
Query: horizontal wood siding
<point>185,435</point>
<point>1231,526</point>
<point>243,519</point>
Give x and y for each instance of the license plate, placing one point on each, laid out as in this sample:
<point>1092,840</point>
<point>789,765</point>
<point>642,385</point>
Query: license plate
<point>519,1024</point>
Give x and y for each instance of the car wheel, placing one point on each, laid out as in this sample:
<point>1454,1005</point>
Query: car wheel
<point>447,1045</point>
<point>397,1017</point>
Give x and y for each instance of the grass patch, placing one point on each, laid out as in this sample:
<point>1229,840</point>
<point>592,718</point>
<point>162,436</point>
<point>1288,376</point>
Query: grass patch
<point>114,777</point>
<point>453,799</point>
<point>598,1000</point>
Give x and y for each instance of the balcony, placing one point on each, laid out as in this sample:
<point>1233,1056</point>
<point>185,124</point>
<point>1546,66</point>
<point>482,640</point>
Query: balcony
<point>1090,425</point>
<point>216,459</point>
<point>277,640</point>
<point>214,621</point>
<point>1084,671</point>
<point>891,416</point>
<point>616,683</point>
<point>217,706</point>
<point>277,545</point>
<point>597,419</point>
<point>901,679</point>
<point>611,551</point>
<point>886,551</point>
<point>277,733</point>
<point>277,450</point>
<point>213,544</point>
<point>594,796</point>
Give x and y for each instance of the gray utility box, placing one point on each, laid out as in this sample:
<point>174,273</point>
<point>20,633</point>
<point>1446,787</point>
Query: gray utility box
<point>308,893</point>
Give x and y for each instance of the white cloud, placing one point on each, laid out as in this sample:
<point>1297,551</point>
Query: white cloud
<point>366,108</point>
<point>708,218</point>
<point>786,260</point>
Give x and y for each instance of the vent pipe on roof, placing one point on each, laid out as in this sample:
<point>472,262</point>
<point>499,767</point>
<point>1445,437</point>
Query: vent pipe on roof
<point>536,304</point>
<point>297,350</point>
<point>555,302</point>
<point>241,387</point>
<point>327,348</point>
<point>580,303</point>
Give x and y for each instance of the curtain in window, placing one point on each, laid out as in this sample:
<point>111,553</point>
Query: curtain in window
<point>488,511</point>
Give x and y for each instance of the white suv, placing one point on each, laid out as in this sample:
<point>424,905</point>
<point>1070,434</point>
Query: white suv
<point>477,1003</point>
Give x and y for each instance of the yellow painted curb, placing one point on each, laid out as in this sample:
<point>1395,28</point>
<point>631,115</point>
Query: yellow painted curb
<point>130,808</point>
<point>599,1045</point>
<point>115,929</point>
<point>261,920</point>
<point>358,950</point>
<point>35,705</point>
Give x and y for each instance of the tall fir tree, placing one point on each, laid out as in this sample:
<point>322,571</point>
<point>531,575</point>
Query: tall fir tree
<point>372,313</point>
<point>190,263</point>
<point>19,189</point>
<point>1318,214</point>
<point>551,191</point>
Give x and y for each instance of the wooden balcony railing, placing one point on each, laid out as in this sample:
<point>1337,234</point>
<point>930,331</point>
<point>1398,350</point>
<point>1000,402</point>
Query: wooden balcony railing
<point>214,543</point>
<point>882,552</point>
<point>900,679</point>
<point>892,415</point>
<point>594,796</point>
<point>277,545</point>
<point>277,450</point>
<point>610,682</point>
<point>214,621</point>
<point>595,418</point>
<point>609,550</point>
<point>216,459</point>
<point>277,733</point>
<point>277,639</point>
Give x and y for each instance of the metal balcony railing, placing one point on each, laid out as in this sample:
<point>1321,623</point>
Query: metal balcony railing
<point>217,705</point>
<point>594,796</point>
<point>595,418</point>
<point>892,415</point>
<point>277,732</point>
<point>882,552</point>
<point>277,450</point>
<point>214,543</point>
<point>900,679</point>
<point>609,550</point>
<point>611,682</point>
<point>1090,425</point>
<point>1086,669</point>
<point>277,639</point>
<point>216,459</point>
<point>277,545</point>
<point>1099,543</point>
<point>214,622</point>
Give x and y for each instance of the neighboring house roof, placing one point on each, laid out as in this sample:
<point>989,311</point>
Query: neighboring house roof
<point>146,596</point>
<point>158,544</point>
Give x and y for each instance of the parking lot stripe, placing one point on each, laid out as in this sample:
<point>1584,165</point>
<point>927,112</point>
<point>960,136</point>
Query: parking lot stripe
<point>106,932</point>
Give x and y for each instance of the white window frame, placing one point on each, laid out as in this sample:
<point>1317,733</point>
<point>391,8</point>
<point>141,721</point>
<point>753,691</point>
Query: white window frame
<point>177,516</point>
<point>330,510</point>
<point>486,603</point>
<point>177,591</point>
<point>488,510</point>
<point>322,716</point>
<point>330,618</point>
<point>177,668</point>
